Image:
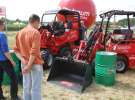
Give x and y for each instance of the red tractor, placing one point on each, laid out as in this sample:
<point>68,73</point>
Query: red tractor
<point>66,27</point>
<point>120,40</point>
<point>60,35</point>
<point>111,37</point>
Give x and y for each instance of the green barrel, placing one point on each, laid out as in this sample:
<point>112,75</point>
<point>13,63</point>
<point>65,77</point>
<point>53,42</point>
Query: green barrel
<point>105,70</point>
<point>6,79</point>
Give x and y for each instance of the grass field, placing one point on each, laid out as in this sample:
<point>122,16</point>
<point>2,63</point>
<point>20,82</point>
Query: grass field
<point>124,89</point>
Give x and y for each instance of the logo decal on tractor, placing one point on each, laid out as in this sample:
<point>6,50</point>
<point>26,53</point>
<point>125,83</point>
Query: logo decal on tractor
<point>84,14</point>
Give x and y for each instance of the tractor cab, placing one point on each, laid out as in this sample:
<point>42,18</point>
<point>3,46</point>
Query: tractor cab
<point>59,21</point>
<point>119,36</point>
<point>112,24</point>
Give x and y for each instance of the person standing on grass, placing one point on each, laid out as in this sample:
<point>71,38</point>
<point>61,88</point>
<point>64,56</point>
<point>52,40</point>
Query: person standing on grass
<point>27,48</point>
<point>6,64</point>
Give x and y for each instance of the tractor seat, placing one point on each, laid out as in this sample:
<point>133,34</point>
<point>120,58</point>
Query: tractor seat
<point>117,31</point>
<point>126,32</point>
<point>58,28</point>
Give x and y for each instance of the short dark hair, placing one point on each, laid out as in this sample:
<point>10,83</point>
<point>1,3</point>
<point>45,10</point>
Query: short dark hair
<point>1,22</point>
<point>34,18</point>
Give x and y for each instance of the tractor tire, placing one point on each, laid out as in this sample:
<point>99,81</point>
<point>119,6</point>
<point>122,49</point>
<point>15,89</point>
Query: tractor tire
<point>66,52</point>
<point>48,58</point>
<point>121,64</point>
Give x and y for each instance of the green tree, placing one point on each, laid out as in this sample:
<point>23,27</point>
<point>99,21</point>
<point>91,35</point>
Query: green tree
<point>124,22</point>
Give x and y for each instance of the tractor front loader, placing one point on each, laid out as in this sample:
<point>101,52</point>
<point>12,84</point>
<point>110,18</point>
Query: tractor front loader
<point>76,72</point>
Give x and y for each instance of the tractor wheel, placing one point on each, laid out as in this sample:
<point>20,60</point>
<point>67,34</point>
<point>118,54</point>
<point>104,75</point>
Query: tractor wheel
<point>66,52</point>
<point>121,65</point>
<point>48,58</point>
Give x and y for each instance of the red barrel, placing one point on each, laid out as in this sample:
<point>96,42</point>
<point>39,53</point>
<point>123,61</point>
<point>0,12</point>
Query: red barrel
<point>86,8</point>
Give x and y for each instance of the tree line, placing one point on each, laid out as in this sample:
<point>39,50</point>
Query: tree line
<point>121,23</point>
<point>15,25</point>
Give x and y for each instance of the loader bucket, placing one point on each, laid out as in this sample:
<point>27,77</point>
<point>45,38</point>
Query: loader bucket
<point>69,74</point>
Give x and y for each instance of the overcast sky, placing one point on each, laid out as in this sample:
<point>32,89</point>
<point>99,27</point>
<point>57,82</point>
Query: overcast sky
<point>23,8</point>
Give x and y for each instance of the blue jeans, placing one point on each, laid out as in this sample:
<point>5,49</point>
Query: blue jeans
<point>32,83</point>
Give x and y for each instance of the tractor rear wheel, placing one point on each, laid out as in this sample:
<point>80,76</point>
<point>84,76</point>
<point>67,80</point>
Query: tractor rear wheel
<point>121,64</point>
